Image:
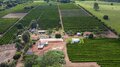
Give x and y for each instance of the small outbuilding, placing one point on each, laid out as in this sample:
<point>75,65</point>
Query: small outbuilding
<point>79,34</point>
<point>75,40</point>
<point>42,31</point>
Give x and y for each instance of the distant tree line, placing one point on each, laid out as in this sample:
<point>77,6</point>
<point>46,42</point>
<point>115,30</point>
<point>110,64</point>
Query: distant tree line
<point>5,4</point>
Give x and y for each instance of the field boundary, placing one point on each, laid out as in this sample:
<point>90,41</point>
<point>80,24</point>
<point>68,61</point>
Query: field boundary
<point>61,22</point>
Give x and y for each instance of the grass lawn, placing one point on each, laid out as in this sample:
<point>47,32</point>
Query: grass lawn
<point>105,52</point>
<point>105,9</point>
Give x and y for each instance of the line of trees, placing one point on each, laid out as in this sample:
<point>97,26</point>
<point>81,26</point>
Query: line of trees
<point>11,3</point>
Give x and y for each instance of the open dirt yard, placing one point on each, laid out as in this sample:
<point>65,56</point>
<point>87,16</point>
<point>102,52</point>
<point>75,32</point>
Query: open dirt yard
<point>51,46</point>
<point>15,15</point>
<point>6,55</point>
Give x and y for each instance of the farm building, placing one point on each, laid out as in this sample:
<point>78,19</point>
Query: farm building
<point>44,42</point>
<point>42,31</point>
<point>75,40</point>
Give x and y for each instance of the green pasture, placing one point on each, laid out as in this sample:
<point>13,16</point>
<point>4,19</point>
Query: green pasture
<point>112,11</point>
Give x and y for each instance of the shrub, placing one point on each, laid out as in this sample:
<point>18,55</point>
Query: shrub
<point>96,6</point>
<point>58,36</point>
<point>17,56</point>
<point>26,37</point>
<point>105,17</point>
<point>32,7</point>
<point>27,8</point>
<point>4,65</point>
<point>91,36</point>
<point>111,4</point>
<point>19,26</point>
<point>30,60</point>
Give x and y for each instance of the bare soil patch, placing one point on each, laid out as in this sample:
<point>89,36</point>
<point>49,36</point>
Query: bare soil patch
<point>6,55</point>
<point>15,15</point>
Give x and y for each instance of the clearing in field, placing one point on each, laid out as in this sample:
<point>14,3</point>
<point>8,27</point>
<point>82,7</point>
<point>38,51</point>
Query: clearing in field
<point>15,15</point>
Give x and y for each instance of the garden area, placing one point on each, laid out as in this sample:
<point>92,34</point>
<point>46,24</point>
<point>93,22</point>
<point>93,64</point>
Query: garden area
<point>103,51</point>
<point>76,19</point>
<point>111,9</point>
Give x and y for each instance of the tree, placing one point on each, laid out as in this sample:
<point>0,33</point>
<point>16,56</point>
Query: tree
<point>18,46</point>
<point>70,32</point>
<point>105,17</point>
<point>33,24</point>
<point>17,56</point>
<point>58,36</point>
<point>4,65</point>
<point>49,31</point>
<point>52,57</point>
<point>96,6</point>
<point>19,26</point>
<point>26,37</point>
<point>30,60</point>
<point>91,36</point>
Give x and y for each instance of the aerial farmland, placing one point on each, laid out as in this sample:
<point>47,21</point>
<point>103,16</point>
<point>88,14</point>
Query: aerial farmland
<point>59,33</point>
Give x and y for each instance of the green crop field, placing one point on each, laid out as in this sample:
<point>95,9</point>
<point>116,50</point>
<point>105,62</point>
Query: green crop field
<point>112,11</point>
<point>6,23</point>
<point>105,52</point>
<point>49,17</point>
<point>33,15</point>
<point>78,20</point>
<point>18,8</point>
